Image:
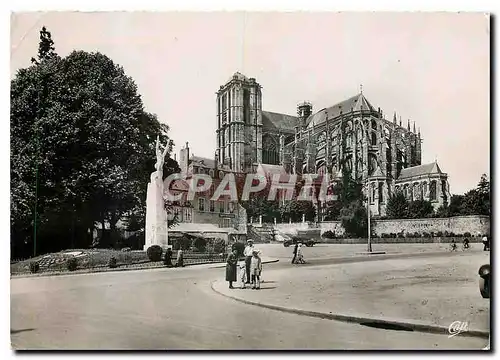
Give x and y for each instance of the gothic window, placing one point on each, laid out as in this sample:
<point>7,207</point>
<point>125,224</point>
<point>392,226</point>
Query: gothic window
<point>372,164</point>
<point>373,192</point>
<point>405,191</point>
<point>416,191</point>
<point>443,188</point>
<point>374,138</point>
<point>212,206</point>
<point>221,206</point>
<point>270,153</point>
<point>374,125</point>
<point>424,189</point>
<point>381,192</point>
<point>433,189</point>
<point>348,164</point>
<point>201,204</point>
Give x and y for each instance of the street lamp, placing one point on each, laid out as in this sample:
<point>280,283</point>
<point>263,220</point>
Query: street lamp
<point>369,216</point>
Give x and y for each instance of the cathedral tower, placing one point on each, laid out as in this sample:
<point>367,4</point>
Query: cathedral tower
<point>239,123</point>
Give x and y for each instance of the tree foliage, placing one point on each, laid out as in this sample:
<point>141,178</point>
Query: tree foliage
<point>82,149</point>
<point>354,219</point>
<point>397,206</point>
<point>418,209</point>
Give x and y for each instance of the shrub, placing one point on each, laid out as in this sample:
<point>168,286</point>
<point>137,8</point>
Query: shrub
<point>219,246</point>
<point>112,262</point>
<point>426,234</point>
<point>240,247</point>
<point>467,234</point>
<point>446,234</point>
<point>451,234</point>
<point>34,267</point>
<point>72,264</point>
<point>393,235</point>
<point>201,244</point>
<point>126,249</point>
<point>154,252</point>
<point>432,234</point>
<point>328,234</point>
<point>439,234</point>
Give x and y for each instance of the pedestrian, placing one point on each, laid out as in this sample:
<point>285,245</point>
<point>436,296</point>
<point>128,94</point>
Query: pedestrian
<point>256,269</point>
<point>242,273</point>
<point>300,256</point>
<point>231,263</point>
<point>295,252</point>
<point>486,243</point>
<point>180,258</point>
<point>466,243</point>
<point>248,258</point>
<point>168,257</point>
<point>453,245</point>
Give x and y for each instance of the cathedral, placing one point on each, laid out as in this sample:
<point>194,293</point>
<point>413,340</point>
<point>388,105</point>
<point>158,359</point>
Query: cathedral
<point>383,154</point>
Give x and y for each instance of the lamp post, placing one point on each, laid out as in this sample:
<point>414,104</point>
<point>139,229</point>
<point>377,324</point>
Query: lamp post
<point>368,216</point>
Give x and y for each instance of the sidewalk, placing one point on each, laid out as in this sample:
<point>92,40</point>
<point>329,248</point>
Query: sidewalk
<point>430,293</point>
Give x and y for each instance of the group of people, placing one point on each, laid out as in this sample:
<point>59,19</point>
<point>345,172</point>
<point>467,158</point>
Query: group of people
<point>466,243</point>
<point>168,258</point>
<point>298,257</point>
<point>250,268</point>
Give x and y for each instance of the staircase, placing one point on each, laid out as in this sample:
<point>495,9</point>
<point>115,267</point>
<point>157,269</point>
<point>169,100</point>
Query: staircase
<point>260,234</point>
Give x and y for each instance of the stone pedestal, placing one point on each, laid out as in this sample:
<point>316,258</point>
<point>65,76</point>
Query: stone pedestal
<point>156,215</point>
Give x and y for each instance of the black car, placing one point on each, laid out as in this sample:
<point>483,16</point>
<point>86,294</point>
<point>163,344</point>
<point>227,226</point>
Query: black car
<point>296,240</point>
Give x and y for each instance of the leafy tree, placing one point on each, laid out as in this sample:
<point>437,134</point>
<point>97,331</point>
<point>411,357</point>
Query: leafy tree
<point>293,210</point>
<point>456,206</point>
<point>397,206</point>
<point>46,49</point>
<point>347,191</point>
<point>420,209</point>
<point>82,149</point>
<point>355,220</point>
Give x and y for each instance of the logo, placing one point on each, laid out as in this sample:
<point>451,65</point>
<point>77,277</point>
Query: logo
<point>458,327</point>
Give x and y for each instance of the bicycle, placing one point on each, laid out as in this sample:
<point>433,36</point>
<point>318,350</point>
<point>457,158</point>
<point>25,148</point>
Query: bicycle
<point>453,247</point>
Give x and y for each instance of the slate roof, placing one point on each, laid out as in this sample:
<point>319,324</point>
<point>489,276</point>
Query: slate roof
<point>357,103</point>
<point>426,169</point>
<point>276,122</point>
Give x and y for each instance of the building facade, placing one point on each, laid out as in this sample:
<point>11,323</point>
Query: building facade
<point>383,154</point>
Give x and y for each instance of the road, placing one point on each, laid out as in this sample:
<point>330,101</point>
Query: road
<point>176,309</point>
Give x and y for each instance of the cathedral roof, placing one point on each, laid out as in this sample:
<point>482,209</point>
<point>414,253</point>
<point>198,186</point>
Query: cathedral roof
<point>414,171</point>
<point>275,121</point>
<point>356,103</point>
<point>237,76</point>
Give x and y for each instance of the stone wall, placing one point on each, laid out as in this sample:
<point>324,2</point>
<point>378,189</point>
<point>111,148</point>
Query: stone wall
<point>457,225</point>
<point>408,240</point>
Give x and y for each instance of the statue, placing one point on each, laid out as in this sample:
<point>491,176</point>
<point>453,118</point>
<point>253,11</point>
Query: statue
<point>160,160</point>
<point>156,215</point>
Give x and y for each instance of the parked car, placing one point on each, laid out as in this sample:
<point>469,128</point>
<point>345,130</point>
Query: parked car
<point>296,240</point>
<point>485,280</point>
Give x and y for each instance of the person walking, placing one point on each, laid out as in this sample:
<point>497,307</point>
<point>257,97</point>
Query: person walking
<point>231,263</point>
<point>295,248</point>
<point>248,258</point>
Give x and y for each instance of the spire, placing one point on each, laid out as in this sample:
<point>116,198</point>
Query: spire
<point>361,89</point>
<point>408,124</point>
<point>419,131</point>
<point>394,120</point>
<point>400,121</point>
<point>414,128</point>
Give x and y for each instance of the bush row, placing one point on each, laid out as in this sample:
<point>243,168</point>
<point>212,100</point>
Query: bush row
<point>331,235</point>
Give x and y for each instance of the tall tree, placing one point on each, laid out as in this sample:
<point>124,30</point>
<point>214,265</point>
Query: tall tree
<point>82,148</point>
<point>46,49</point>
<point>397,206</point>
<point>418,209</point>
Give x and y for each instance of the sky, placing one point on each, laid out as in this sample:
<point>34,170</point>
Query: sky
<point>431,68</point>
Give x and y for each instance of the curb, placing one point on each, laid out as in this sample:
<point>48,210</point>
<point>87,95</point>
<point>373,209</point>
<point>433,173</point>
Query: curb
<point>426,328</point>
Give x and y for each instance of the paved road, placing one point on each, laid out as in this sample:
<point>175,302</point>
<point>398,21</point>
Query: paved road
<point>176,309</point>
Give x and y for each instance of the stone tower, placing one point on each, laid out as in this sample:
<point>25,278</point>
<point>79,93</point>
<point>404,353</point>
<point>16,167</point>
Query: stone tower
<point>239,123</point>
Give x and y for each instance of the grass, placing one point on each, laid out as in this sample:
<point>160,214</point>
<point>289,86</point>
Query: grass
<point>99,258</point>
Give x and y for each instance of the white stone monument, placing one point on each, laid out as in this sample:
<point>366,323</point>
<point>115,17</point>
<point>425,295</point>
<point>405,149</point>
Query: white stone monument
<point>156,215</point>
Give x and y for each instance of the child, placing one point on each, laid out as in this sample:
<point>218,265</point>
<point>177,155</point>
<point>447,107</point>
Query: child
<point>255,269</point>
<point>242,273</point>
<point>300,256</point>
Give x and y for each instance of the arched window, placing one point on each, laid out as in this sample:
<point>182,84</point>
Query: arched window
<point>373,190</point>
<point>381,192</point>
<point>433,188</point>
<point>374,138</point>
<point>270,153</point>
<point>374,125</point>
